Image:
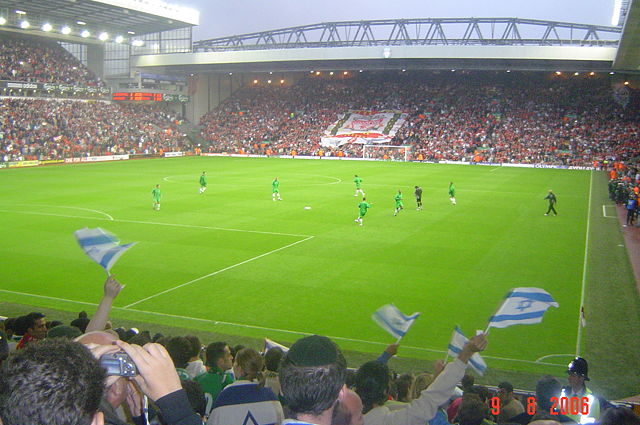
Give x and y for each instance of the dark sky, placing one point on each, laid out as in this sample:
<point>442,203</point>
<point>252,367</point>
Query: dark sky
<point>230,17</point>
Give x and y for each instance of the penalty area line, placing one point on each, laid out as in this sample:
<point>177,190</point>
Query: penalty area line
<point>218,272</point>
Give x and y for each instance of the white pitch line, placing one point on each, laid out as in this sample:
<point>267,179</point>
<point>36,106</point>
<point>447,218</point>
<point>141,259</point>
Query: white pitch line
<point>264,328</point>
<point>218,272</point>
<point>584,269</point>
<point>157,223</point>
<point>604,211</point>
<point>494,169</point>
<point>553,355</point>
<point>47,297</point>
<point>226,229</point>
<point>67,207</point>
<point>53,215</point>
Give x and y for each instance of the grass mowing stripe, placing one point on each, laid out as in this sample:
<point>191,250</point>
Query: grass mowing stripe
<point>217,272</point>
<point>584,268</point>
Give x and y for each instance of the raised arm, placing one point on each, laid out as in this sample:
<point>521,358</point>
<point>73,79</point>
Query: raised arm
<point>111,290</point>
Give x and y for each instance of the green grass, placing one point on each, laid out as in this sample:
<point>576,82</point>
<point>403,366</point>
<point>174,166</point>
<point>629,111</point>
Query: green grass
<point>277,270</point>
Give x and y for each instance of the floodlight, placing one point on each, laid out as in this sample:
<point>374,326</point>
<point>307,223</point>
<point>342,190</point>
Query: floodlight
<point>576,73</point>
<point>66,30</point>
<point>104,36</point>
<point>558,73</point>
<point>119,39</point>
<point>81,23</point>
<point>21,12</point>
<point>137,43</point>
<point>255,81</point>
<point>331,73</point>
<point>47,27</point>
<point>24,24</point>
<point>3,20</point>
<point>269,81</point>
<point>345,73</point>
<point>281,81</point>
<point>131,32</point>
<point>85,33</point>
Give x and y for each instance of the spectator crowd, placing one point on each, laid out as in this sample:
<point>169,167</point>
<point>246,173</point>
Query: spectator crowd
<point>481,117</point>
<point>87,372</point>
<point>46,129</point>
<point>39,60</point>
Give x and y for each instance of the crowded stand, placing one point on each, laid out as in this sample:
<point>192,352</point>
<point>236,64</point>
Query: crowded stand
<point>473,117</point>
<point>39,60</point>
<point>89,369</point>
<point>49,129</point>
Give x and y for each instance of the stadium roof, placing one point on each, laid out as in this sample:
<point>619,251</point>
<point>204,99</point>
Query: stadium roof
<point>628,55</point>
<point>116,16</point>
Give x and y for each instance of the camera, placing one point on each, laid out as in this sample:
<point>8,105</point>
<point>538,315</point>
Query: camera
<point>118,364</point>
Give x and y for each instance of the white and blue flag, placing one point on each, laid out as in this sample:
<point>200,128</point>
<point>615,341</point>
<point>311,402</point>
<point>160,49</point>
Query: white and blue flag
<point>103,247</point>
<point>458,341</point>
<point>522,306</point>
<point>269,344</point>
<point>393,320</point>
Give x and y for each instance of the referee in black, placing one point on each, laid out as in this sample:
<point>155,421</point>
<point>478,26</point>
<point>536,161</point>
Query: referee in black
<point>552,202</point>
<point>418,193</point>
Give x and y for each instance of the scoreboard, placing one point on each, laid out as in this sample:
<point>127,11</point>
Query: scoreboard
<point>138,96</point>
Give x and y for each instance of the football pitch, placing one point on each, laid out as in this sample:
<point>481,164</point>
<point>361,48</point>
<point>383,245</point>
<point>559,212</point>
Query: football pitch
<point>234,261</point>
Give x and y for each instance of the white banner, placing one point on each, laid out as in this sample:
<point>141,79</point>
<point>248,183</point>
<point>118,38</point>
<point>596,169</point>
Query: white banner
<point>363,127</point>
<point>173,154</point>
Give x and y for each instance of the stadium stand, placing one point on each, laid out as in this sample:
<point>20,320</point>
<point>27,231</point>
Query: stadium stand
<point>475,117</point>
<point>42,61</point>
<point>45,129</point>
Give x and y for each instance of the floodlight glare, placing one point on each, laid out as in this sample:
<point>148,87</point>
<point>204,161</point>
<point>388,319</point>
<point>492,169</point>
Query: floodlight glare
<point>137,43</point>
<point>66,30</point>
<point>3,20</point>
<point>85,33</point>
<point>103,36</point>
<point>47,27</point>
<point>119,39</point>
<point>24,24</point>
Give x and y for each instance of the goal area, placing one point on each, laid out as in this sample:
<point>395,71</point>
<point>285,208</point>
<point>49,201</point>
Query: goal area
<point>386,152</point>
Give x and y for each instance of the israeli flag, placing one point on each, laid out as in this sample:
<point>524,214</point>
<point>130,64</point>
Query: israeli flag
<point>393,320</point>
<point>458,341</point>
<point>101,246</point>
<point>522,306</point>
<point>269,344</point>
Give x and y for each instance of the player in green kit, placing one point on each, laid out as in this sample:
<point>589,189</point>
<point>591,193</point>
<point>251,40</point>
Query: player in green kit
<point>399,203</point>
<point>275,189</point>
<point>363,207</point>
<point>452,193</point>
<point>358,181</point>
<point>203,182</point>
<point>155,195</point>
